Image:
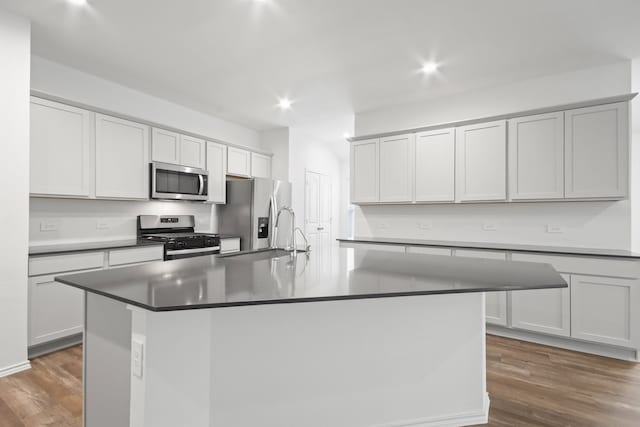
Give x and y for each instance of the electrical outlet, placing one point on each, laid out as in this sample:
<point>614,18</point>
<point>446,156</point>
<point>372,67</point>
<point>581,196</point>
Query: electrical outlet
<point>47,225</point>
<point>425,225</point>
<point>137,356</point>
<point>102,225</point>
<point>383,225</point>
<point>489,227</point>
<point>552,228</point>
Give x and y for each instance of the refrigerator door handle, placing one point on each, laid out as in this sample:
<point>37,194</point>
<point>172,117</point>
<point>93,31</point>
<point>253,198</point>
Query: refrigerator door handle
<point>273,210</point>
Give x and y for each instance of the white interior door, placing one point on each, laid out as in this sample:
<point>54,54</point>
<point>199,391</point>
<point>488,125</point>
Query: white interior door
<point>317,212</point>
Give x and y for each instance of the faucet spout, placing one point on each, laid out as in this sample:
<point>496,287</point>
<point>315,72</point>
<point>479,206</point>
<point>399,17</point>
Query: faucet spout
<point>291,246</point>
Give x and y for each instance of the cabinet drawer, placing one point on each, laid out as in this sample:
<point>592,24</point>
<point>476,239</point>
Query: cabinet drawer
<point>136,255</point>
<point>469,253</point>
<point>428,250</point>
<point>612,267</point>
<point>229,245</point>
<point>58,263</point>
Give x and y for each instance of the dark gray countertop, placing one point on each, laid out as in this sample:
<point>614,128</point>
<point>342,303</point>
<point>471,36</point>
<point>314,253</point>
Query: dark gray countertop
<point>89,246</point>
<point>268,277</point>
<point>616,253</point>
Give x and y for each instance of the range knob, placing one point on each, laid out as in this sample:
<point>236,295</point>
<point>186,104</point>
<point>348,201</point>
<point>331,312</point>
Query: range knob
<point>180,244</point>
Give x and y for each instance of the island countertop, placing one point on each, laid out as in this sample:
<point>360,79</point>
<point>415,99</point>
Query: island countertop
<point>267,277</point>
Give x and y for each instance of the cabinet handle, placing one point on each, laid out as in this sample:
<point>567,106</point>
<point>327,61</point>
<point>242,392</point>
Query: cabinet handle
<point>320,228</point>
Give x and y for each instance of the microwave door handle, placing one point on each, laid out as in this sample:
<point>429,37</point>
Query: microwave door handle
<point>201,180</point>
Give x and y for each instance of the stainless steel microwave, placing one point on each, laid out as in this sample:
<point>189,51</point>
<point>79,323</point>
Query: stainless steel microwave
<point>175,182</point>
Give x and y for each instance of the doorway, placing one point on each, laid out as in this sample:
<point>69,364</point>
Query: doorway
<point>317,212</point>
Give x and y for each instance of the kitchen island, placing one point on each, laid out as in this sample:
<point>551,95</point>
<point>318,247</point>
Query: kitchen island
<point>344,337</point>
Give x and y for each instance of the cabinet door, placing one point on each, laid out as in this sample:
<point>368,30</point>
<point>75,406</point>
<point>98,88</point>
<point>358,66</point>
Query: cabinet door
<point>192,152</point>
<point>122,158</point>
<point>364,171</point>
<point>495,302</point>
<point>596,151</point>
<point>165,146</point>
<point>481,162</point>
<point>536,157</point>
<point>55,310</point>
<point>543,310</point>
<point>434,166</point>
<point>217,167</point>
<point>238,162</point>
<point>605,310</point>
<point>396,168</point>
<point>260,166</point>
<point>61,144</point>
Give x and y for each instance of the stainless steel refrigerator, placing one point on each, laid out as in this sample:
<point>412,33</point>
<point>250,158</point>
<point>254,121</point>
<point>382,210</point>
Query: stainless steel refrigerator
<point>251,209</point>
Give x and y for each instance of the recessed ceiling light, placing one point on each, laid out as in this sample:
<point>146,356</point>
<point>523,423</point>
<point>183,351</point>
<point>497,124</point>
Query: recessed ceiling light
<point>284,103</point>
<point>78,2</point>
<point>430,68</point>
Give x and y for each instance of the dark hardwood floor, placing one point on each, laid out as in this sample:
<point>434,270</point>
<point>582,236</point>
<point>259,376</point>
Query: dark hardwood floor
<point>529,385</point>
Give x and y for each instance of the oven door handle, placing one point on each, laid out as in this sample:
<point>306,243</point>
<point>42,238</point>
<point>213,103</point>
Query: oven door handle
<point>193,250</point>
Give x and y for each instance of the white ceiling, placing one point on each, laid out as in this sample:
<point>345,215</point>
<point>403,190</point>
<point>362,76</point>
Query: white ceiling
<point>333,58</point>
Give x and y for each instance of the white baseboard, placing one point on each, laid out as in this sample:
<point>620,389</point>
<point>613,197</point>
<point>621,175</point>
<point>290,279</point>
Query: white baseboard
<point>566,343</point>
<point>463,419</point>
<point>14,369</point>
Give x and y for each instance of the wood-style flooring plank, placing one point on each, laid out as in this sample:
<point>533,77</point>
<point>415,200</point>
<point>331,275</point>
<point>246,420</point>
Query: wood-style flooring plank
<point>529,385</point>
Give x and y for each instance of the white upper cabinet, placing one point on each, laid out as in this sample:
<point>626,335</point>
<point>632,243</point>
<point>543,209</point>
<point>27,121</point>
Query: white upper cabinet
<point>536,157</point>
<point>238,162</point>
<point>193,152</point>
<point>481,162</point>
<point>596,151</point>
<point>122,158</point>
<point>61,145</point>
<point>396,168</point>
<point>177,149</point>
<point>260,165</point>
<point>364,171</point>
<point>434,166</point>
<point>165,146</point>
<point>217,167</point>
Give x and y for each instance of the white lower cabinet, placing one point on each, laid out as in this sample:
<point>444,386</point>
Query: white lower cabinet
<point>605,310</point>
<point>543,310</point>
<point>495,302</point>
<point>55,310</point>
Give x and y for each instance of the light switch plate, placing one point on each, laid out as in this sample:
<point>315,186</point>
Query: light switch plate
<point>383,224</point>
<point>425,225</point>
<point>102,225</point>
<point>489,227</point>
<point>137,357</point>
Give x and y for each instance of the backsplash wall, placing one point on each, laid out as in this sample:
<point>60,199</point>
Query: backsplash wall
<point>85,220</point>
<point>575,224</point>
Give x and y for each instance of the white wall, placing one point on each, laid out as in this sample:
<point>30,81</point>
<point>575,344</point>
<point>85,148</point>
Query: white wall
<point>586,224</point>
<point>310,153</point>
<point>59,80</point>
<point>15,48</point>
<point>541,92</point>
<point>634,187</point>
<point>277,141</point>
<point>76,220</point>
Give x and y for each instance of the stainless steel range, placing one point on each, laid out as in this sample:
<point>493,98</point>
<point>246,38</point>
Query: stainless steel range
<point>177,232</point>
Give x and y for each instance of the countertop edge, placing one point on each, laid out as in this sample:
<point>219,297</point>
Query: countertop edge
<point>497,247</point>
<point>108,245</point>
<point>305,299</point>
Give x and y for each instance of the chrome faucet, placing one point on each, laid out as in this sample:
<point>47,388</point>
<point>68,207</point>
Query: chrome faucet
<point>291,246</point>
